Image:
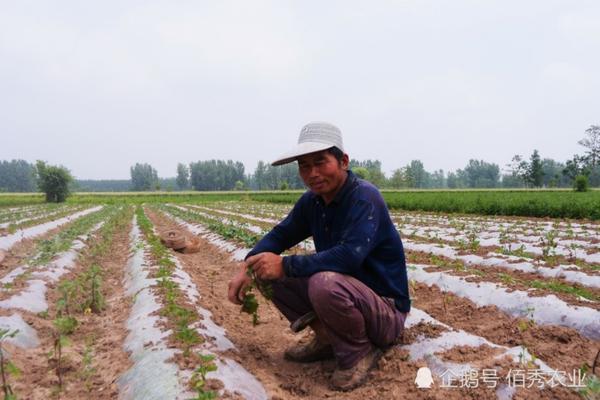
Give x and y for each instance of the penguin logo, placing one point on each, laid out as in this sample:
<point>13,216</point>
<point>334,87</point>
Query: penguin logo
<point>423,379</point>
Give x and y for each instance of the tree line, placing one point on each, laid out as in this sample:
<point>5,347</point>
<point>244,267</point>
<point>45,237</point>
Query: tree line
<point>521,172</point>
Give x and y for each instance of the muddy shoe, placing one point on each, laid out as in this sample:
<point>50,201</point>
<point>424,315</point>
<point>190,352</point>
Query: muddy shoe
<point>348,379</point>
<point>315,350</point>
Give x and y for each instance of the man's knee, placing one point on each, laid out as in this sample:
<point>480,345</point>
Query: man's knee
<point>322,286</point>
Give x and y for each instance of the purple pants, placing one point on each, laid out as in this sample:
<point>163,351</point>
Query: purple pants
<point>353,316</point>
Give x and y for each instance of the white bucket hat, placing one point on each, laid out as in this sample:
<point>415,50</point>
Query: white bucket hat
<point>315,136</point>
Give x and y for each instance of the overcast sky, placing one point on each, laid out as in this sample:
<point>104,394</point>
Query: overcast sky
<point>98,86</point>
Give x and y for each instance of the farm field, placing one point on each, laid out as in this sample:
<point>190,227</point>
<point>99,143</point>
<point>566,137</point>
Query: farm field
<point>92,305</point>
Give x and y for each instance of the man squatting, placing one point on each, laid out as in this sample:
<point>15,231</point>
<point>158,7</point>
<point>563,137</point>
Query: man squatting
<point>356,282</point>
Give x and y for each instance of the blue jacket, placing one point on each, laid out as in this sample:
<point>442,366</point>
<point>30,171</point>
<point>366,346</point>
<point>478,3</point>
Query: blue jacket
<point>353,235</point>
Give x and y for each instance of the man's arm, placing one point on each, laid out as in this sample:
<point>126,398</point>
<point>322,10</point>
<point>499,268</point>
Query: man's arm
<point>264,257</point>
<point>351,251</point>
<point>289,232</point>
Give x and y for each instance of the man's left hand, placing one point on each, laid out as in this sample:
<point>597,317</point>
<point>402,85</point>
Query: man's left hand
<point>266,266</point>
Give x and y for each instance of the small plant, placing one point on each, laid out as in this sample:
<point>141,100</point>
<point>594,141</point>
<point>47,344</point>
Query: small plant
<point>473,241</point>
<point>64,326</point>
<point>87,368</point>
<point>250,303</point>
<point>549,244</point>
<point>6,366</point>
<point>92,282</point>
<point>198,380</point>
<point>507,279</point>
<point>67,290</point>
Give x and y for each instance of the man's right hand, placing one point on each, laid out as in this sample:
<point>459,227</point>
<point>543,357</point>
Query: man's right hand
<point>237,285</point>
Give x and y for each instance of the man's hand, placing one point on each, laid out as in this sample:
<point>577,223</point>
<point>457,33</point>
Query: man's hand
<point>266,266</point>
<point>238,284</point>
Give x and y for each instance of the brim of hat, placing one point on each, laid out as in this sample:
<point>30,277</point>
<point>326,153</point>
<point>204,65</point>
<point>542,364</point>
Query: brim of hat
<point>301,149</point>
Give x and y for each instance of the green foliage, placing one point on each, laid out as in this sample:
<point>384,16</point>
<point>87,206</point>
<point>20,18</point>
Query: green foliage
<point>559,287</point>
<point>216,174</point>
<point>68,290</point>
<point>53,181</point>
<point>183,174</point>
<point>268,177</point>
<point>47,249</point>
<point>17,176</point>
<point>87,367</point>
<point>6,366</point>
<point>250,306</point>
<point>250,302</point>
<point>529,203</point>
<point>198,380</point>
<point>65,325</point>
<point>581,183</point>
<point>179,315</point>
<point>535,171</point>
<point>361,172</point>
<point>143,177</point>
<point>91,285</point>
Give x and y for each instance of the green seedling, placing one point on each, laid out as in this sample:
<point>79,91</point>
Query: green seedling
<point>63,326</point>
<point>92,282</point>
<point>6,366</point>
<point>473,241</point>
<point>198,380</point>
<point>68,290</point>
<point>87,368</point>
<point>250,302</point>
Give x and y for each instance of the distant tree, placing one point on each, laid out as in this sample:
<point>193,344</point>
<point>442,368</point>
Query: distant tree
<point>397,179</point>
<point>592,143</point>
<point>143,177</point>
<point>376,176</point>
<point>519,170</point>
<point>452,180</point>
<point>535,171</point>
<point>437,179</point>
<point>183,173</point>
<point>574,167</point>
<point>54,181</point>
<point>216,174</point>
<point>415,174</point>
<point>553,176</point>
<point>362,173</point>
<point>268,177</point>
<point>17,176</point>
<point>481,174</point>
<point>103,185</point>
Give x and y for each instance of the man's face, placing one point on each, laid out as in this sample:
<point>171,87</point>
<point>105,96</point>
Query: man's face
<point>322,173</point>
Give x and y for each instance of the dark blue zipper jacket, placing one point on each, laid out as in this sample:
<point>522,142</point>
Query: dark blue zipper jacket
<point>353,235</point>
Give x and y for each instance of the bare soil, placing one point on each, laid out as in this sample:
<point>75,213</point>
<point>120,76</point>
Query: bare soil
<point>100,335</point>
<point>260,349</point>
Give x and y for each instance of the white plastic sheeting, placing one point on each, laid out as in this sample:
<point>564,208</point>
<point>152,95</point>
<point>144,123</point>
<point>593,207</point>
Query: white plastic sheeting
<point>26,336</point>
<point>511,262</point>
<point>152,376</point>
<point>548,310</point>
<point>6,242</point>
<point>33,297</point>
